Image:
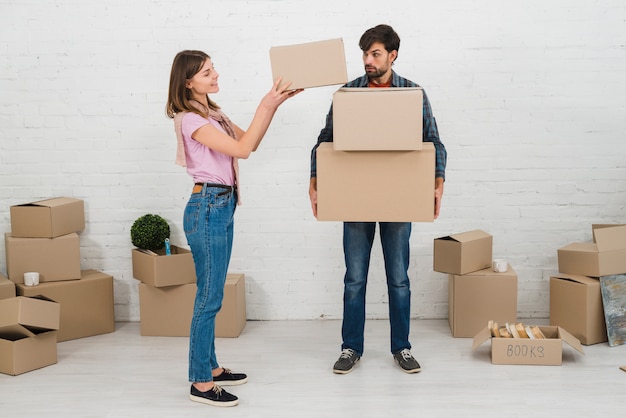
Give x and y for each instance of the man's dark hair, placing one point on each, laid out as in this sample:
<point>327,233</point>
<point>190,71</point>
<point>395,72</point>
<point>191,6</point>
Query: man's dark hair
<point>383,34</point>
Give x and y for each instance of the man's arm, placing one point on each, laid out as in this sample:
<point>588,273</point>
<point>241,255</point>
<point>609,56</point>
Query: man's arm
<point>438,195</point>
<point>326,135</point>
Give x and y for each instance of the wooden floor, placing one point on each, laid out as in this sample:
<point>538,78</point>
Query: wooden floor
<point>289,363</point>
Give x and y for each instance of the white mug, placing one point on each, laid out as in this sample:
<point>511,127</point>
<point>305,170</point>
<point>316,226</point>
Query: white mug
<point>500,265</point>
<point>31,278</point>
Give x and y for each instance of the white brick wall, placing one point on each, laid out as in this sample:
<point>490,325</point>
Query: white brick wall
<point>529,98</point>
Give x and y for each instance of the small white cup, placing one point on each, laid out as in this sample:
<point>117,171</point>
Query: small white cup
<point>500,265</point>
<point>31,278</point>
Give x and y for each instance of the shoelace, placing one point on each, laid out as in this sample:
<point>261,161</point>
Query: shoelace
<point>347,353</point>
<point>217,389</point>
<point>406,354</point>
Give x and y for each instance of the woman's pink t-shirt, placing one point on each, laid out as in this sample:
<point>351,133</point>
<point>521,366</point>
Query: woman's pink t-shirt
<point>205,165</point>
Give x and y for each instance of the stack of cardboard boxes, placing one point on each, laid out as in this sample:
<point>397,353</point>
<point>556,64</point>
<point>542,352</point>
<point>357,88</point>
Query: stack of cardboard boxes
<point>376,172</point>
<point>575,295</point>
<point>168,289</point>
<point>476,293</point>
<point>44,239</point>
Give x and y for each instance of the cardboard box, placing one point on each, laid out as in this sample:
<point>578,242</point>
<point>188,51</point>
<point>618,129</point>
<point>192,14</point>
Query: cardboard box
<point>48,218</point>
<point>167,311</point>
<point>463,253</point>
<point>475,298</point>
<point>231,319</point>
<point>86,304</point>
<point>7,288</point>
<point>55,259</point>
<point>30,313</point>
<point>378,186</point>
<point>544,352</point>
<point>28,336</point>
<point>400,108</point>
<point>164,270</point>
<point>604,257</point>
<point>300,64</point>
<point>576,305</point>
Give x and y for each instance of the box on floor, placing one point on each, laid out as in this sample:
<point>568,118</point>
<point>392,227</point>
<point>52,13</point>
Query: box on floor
<point>7,288</point>
<point>86,304</point>
<point>542,352</point>
<point>401,108</point>
<point>576,305</point>
<point>162,270</point>
<point>606,256</point>
<point>477,297</point>
<point>463,253</point>
<point>167,311</point>
<point>299,64</point>
<point>56,259</point>
<point>28,336</point>
<point>401,181</point>
<point>48,218</point>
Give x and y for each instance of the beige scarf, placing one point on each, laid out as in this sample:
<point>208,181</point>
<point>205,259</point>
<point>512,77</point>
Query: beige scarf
<point>224,122</point>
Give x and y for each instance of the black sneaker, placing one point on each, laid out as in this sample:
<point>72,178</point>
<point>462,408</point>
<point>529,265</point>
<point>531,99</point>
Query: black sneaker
<point>407,362</point>
<point>228,378</point>
<point>346,362</point>
<point>215,396</point>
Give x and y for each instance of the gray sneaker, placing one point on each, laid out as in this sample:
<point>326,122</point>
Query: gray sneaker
<point>346,362</point>
<point>407,362</point>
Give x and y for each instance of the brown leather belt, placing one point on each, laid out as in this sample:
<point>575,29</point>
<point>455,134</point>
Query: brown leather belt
<point>197,188</point>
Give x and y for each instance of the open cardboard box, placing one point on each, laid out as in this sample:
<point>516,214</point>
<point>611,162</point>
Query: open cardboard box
<point>545,352</point>
<point>28,336</point>
<point>463,253</point>
<point>606,256</point>
<point>160,270</point>
<point>48,218</point>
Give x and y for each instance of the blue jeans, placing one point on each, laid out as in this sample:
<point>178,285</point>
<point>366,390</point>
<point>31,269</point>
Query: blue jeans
<point>357,246</point>
<point>208,225</point>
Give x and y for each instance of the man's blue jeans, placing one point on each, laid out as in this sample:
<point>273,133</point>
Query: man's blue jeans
<point>208,225</point>
<point>357,246</point>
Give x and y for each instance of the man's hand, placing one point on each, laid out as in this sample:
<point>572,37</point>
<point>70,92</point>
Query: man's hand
<point>313,195</point>
<point>438,195</point>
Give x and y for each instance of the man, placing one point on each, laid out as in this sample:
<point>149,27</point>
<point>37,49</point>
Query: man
<point>380,46</point>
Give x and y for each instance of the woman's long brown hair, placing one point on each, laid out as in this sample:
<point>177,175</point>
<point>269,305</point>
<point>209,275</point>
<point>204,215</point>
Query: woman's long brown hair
<point>186,64</point>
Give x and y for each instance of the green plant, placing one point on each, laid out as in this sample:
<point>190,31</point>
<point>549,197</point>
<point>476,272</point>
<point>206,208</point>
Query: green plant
<point>149,232</point>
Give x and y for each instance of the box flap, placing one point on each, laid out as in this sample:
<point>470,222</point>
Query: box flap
<point>610,239</point>
<point>54,202</point>
<point>577,278</point>
<point>586,247</point>
<point>570,340</point>
<point>482,336</point>
<point>15,332</point>
<point>369,90</point>
<point>470,235</point>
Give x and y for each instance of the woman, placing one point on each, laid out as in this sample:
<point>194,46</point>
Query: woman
<point>209,145</point>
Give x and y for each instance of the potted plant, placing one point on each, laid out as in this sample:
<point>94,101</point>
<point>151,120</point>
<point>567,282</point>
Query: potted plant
<point>154,265</point>
<point>149,232</point>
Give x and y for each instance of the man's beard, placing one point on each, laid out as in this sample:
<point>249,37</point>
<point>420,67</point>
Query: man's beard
<point>377,73</point>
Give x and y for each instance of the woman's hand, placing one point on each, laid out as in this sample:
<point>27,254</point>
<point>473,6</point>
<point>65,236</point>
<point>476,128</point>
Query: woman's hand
<point>278,94</point>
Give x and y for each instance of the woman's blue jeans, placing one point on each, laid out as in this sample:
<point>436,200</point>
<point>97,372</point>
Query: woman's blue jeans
<point>208,225</point>
<point>358,238</point>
